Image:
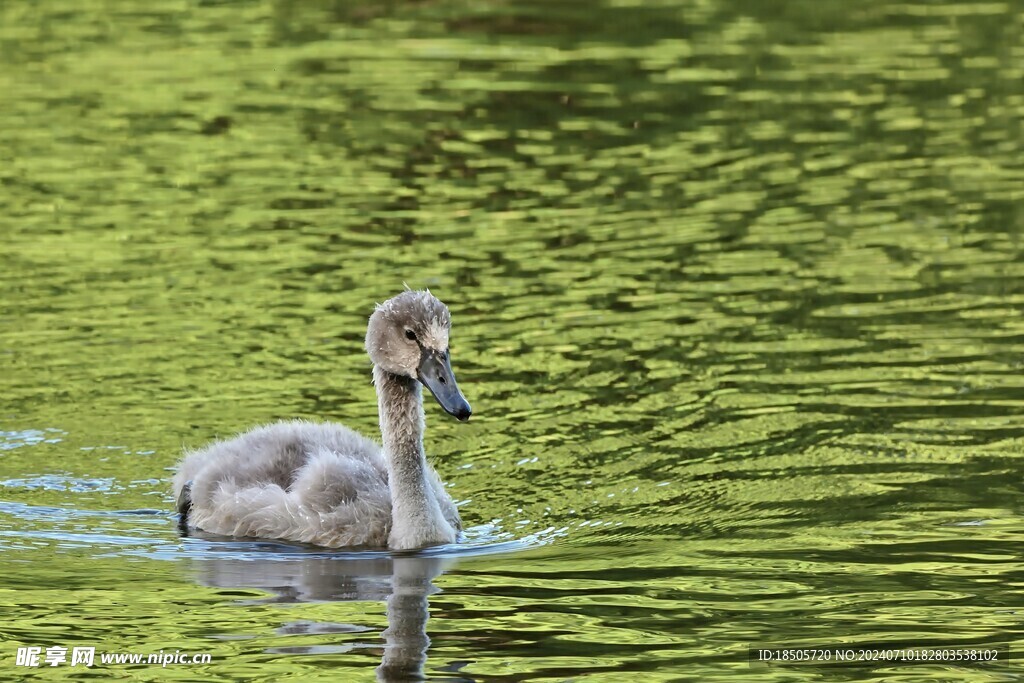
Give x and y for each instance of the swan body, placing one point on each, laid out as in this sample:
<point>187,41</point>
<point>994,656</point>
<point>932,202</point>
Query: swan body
<point>326,484</point>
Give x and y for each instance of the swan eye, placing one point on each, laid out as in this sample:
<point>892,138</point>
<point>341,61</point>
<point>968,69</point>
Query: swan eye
<point>409,334</point>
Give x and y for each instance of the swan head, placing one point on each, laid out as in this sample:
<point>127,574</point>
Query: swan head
<point>408,336</point>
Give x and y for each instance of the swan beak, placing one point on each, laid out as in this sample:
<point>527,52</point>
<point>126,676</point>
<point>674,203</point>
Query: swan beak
<point>435,372</point>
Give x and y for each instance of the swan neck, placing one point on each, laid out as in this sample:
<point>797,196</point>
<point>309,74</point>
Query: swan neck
<point>400,404</point>
<point>416,518</point>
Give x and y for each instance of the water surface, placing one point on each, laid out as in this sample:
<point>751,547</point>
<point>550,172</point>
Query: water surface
<point>736,291</point>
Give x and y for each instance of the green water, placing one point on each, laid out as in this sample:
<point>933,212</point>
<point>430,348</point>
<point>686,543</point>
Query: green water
<point>736,293</point>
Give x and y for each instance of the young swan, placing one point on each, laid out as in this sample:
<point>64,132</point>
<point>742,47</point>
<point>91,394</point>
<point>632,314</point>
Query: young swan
<point>325,484</point>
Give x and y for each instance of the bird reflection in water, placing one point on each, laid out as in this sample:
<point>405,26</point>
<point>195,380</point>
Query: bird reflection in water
<point>405,582</point>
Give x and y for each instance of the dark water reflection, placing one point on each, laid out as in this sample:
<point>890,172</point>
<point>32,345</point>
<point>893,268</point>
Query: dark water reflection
<point>737,294</point>
<point>405,583</point>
